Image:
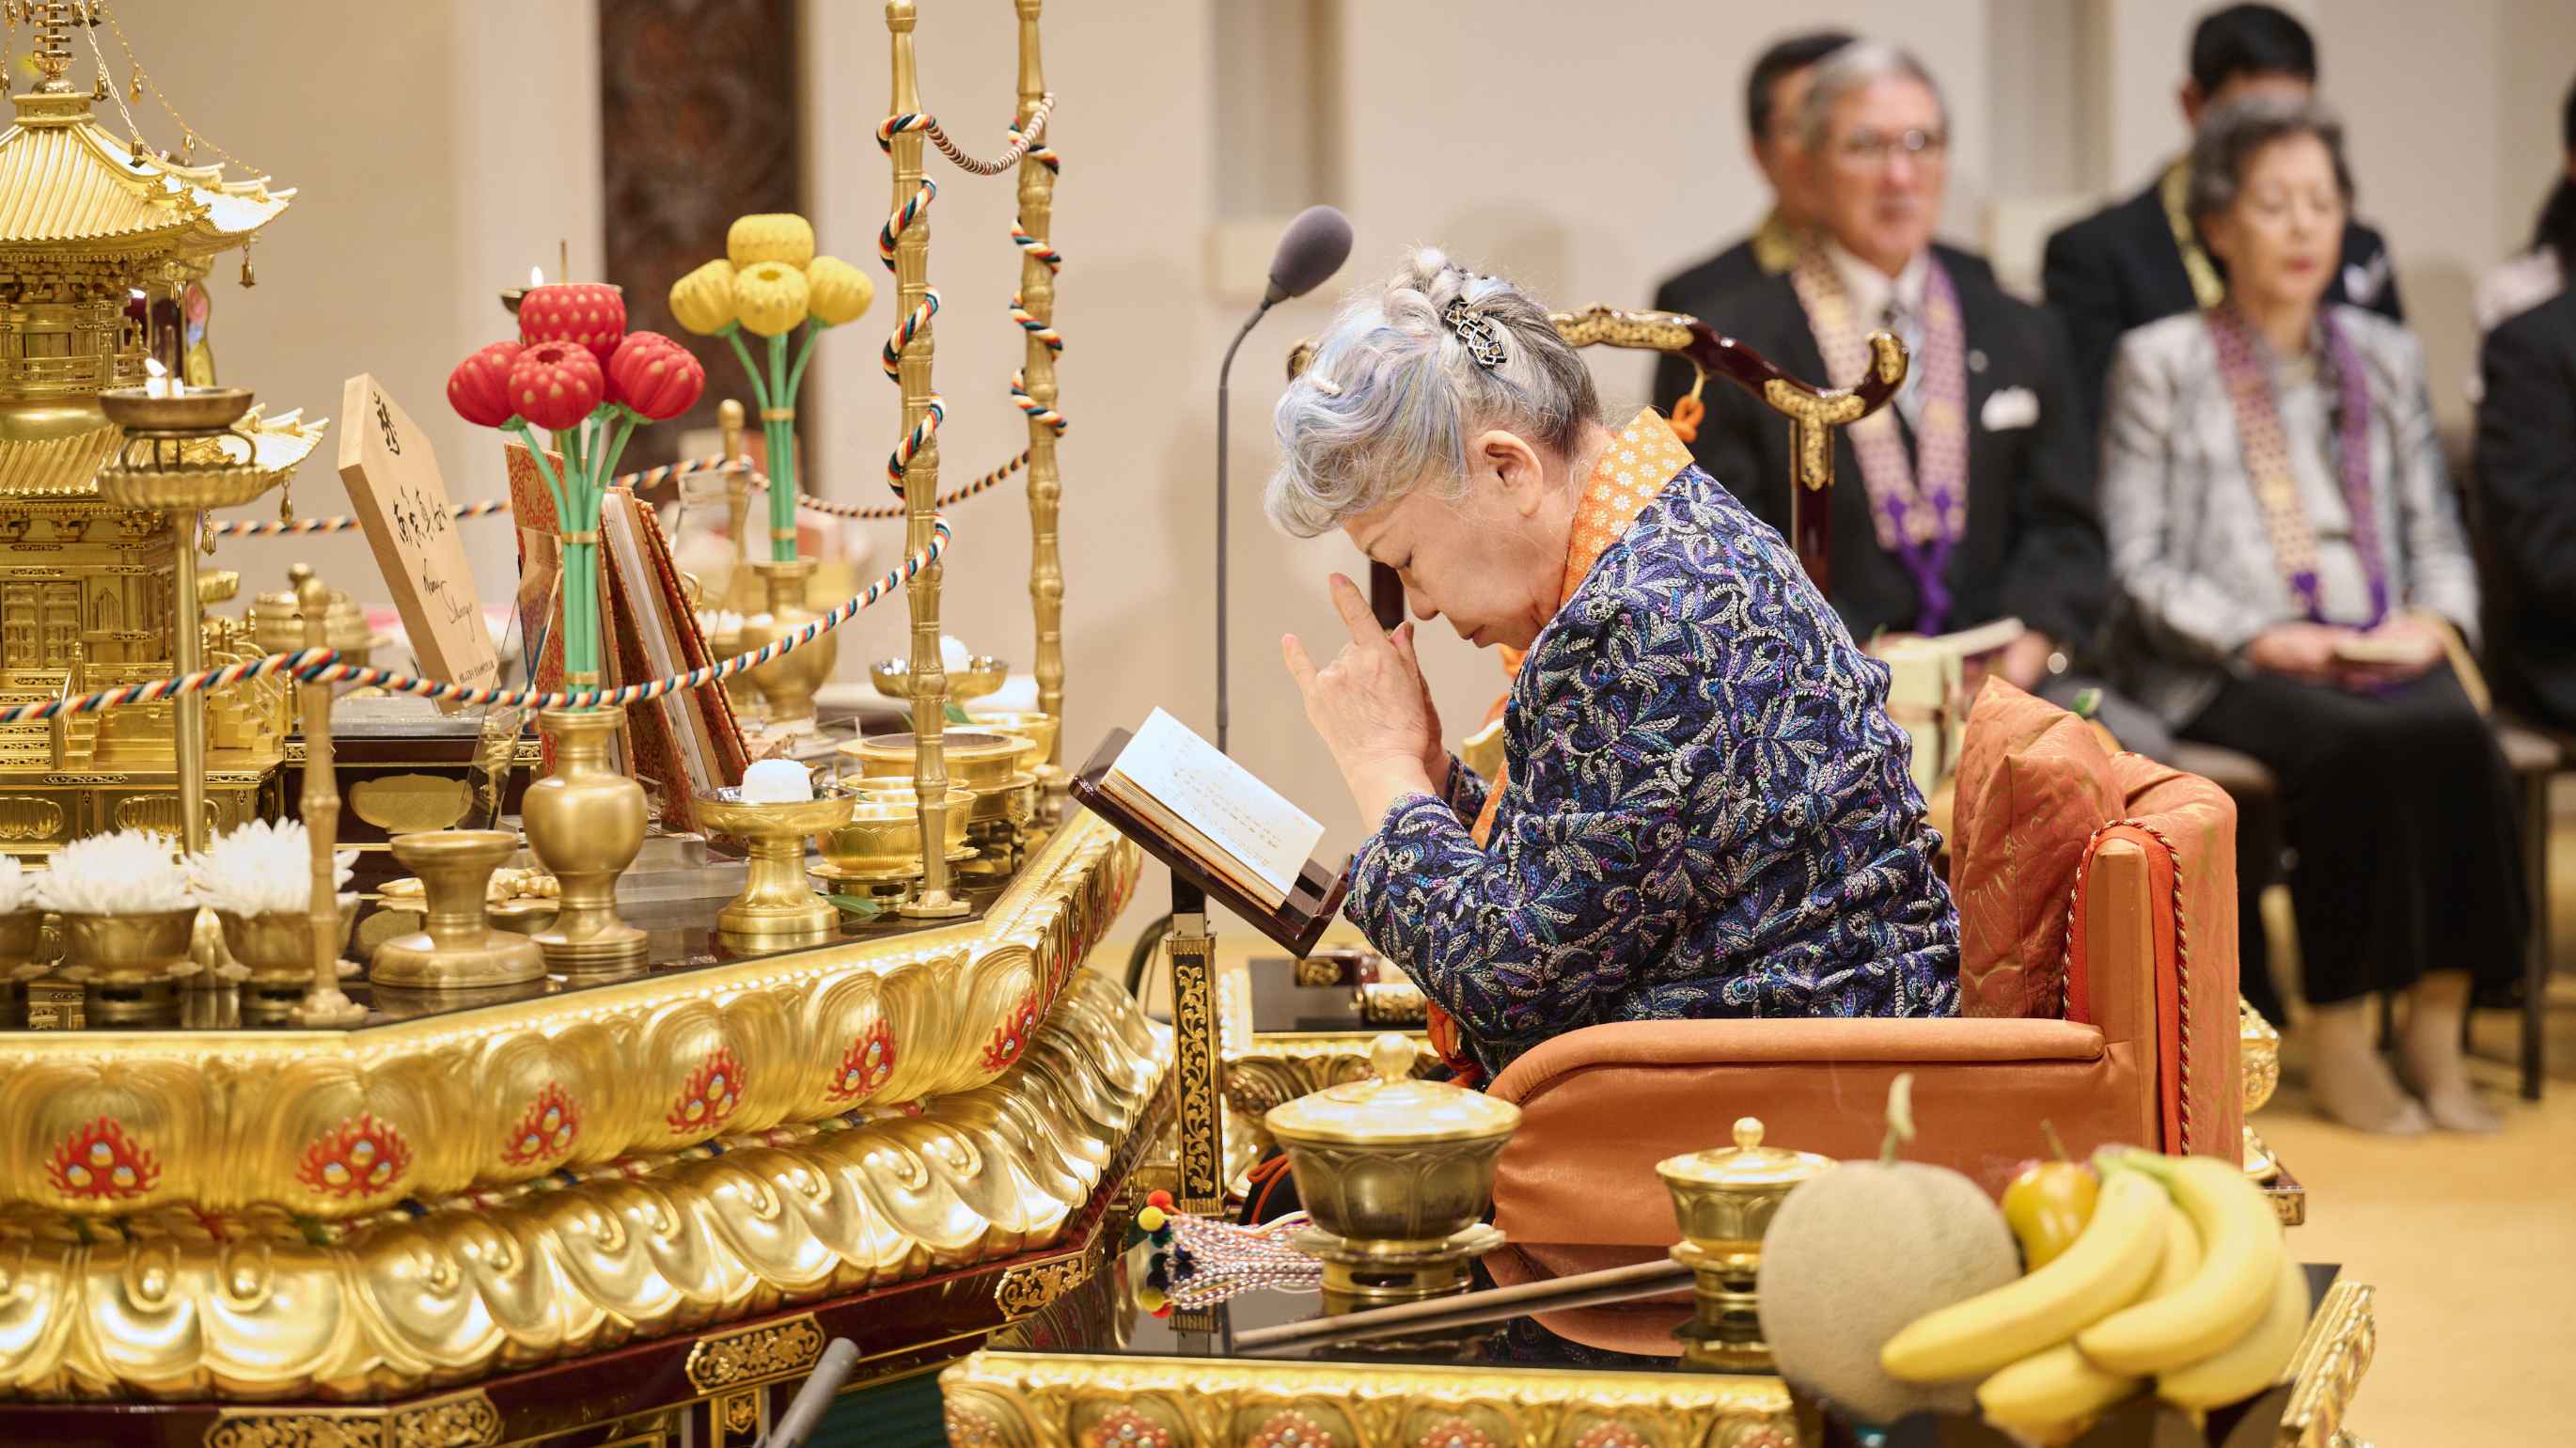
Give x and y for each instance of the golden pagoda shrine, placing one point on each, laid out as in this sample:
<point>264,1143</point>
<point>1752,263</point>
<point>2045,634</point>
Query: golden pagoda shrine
<point>87,221</point>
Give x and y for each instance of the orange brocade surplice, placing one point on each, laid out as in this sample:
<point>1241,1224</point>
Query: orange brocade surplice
<point>1641,458</point>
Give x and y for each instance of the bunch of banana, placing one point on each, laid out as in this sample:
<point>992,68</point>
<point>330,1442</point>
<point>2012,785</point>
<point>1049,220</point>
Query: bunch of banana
<point>2179,1276</point>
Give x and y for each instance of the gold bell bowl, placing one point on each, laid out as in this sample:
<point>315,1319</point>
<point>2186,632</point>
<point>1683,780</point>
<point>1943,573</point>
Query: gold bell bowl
<point>1392,1160</point>
<point>776,902</point>
<point>881,839</point>
<point>277,948</point>
<point>978,676</point>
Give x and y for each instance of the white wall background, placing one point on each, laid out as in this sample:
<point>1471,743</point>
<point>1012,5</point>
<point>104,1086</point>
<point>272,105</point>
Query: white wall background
<point>443,145</point>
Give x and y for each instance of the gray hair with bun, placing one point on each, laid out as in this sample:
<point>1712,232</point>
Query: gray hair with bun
<point>1406,373</point>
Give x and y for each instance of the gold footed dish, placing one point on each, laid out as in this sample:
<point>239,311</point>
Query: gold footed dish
<point>585,824</point>
<point>978,676</point>
<point>457,949</point>
<point>787,684</point>
<point>776,903</point>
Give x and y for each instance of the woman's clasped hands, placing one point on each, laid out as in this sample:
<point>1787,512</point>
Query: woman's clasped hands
<point>1372,707</point>
<point>2401,648</point>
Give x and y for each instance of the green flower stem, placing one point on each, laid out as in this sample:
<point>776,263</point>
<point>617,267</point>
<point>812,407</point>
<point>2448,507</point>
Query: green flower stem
<point>626,419</point>
<point>782,457</point>
<point>804,354</point>
<point>759,388</point>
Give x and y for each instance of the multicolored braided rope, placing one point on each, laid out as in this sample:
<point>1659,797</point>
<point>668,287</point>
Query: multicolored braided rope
<point>1021,139</point>
<point>341,524</point>
<point>324,666</point>
<point>1046,336</point>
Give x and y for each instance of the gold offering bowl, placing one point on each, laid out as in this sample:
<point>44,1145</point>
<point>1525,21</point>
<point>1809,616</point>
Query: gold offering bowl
<point>124,951</point>
<point>776,902</point>
<point>1397,1174</point>
<point>882,838</point>
<point>1035,730</point>
<point>986,765</point>
<point>163,464</point>
<point>184,409</point>
<point>457,949</point>
<point>1724,1199</point>
<point>973,679</point>
<point>277,948</point>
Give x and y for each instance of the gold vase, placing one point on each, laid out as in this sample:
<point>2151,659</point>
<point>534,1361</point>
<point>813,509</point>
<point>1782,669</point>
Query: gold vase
<point>787,684</point>
<point>277,948</point>
<point>129,950</point>
<point>585,824</point>
<point>457,949</point>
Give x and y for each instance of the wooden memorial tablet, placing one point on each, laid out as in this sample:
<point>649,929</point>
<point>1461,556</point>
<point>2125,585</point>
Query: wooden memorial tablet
<point>401,500</point>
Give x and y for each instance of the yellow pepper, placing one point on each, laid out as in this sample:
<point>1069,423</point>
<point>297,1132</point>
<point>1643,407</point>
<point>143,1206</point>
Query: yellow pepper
<point>2048,1203</point>
<point>771,298</point>
<point>703,301</point>
<point>839,291</point>
<point>770,236</point>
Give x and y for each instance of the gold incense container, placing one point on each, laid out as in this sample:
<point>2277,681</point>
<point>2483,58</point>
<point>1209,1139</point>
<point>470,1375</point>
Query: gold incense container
<point>457,949</point>
<point>977,677</point>
<point>1398,1174</point>
<point>776,904</point>
<point>1724,1199</point>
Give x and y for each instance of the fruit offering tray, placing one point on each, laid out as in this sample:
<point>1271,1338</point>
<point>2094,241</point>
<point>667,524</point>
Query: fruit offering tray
<point>1100,1367</point>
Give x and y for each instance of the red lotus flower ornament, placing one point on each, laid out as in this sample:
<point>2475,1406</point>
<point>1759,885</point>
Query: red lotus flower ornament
<point>479,388</point>
<point>655,376</point>
<point>592,314</point>
<point>554,385</point>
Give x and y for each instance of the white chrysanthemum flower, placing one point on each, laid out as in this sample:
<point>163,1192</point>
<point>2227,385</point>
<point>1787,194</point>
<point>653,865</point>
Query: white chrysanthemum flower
<point>17,886</point>
<point>131,872</point>
<point>263,869</point>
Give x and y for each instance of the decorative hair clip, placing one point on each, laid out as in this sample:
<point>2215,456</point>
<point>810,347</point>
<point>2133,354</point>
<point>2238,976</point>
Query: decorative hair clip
<point>1325,385</point>
<point>1474,329</point>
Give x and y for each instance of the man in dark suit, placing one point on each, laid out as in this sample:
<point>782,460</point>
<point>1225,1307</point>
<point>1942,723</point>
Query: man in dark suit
<point>2526,481</point>
<point>2138,261</point>
<point>1987,416</point>
<point>1772,94</point>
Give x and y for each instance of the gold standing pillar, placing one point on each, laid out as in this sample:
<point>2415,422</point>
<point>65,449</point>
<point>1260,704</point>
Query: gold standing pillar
<point>920,490</point>
<point>1046,489</point>
<point>188,654</point>
<point>324,1003</point>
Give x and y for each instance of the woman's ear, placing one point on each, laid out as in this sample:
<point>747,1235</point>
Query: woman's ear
<point>1515,467</point>
<point>2218,234</point>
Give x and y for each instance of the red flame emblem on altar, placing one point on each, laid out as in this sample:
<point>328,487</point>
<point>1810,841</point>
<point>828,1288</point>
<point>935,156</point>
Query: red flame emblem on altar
<point>99,1161</point>
<point>866,1066</point>
<point>714,1090</point>
<point>547,1130</point>
<point>1011,1037</point>
<point>358,1157</point>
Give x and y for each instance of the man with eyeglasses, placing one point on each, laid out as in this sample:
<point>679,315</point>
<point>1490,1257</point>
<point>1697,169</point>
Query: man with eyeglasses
<point>1970,498</point>
<point>2141,260</point>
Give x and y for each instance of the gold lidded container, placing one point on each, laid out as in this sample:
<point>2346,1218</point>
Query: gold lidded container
<point>1397,1173</point>
<point>1724,1199</point>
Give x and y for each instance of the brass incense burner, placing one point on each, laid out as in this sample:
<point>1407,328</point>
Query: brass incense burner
<point>1398,1174</point>
<point>1724,1199</point>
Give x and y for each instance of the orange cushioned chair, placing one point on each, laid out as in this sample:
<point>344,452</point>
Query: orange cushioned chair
<point>2098,894</point>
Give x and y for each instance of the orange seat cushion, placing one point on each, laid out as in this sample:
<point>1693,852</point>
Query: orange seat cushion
<point>2034,783</point>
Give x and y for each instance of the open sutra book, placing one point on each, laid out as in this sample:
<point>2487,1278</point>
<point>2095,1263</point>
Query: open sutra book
<point>1218,824</point>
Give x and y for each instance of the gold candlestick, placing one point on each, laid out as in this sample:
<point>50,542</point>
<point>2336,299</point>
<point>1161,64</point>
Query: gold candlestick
<point>920,490</point>
<point>1046,490</point>
<point>324,1004</point>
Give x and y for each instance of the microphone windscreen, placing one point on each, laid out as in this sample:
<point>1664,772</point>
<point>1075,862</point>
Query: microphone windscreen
<point>1312,248</point>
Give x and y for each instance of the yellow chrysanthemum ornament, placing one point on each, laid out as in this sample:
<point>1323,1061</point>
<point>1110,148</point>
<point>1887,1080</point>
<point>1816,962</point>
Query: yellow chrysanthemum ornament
<point>703,301</point>
<point>771,298</point>
<point>779,236</point>
<point>837,291</point>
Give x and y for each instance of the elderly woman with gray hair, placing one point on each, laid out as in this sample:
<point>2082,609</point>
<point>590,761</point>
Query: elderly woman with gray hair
<point>2293,583</point>
<point>1704,810</point>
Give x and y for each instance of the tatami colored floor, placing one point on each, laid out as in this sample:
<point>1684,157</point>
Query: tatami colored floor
<point>2471,1241</point>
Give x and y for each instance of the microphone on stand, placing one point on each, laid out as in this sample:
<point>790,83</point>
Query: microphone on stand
<point>1312,248</point>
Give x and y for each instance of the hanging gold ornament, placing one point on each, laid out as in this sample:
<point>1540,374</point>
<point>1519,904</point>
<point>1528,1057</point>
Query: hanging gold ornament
<point>134,92</point>
<point>98,92</point>
<point>249,278</point>
<point>188,148</point>
<point>138,148</point>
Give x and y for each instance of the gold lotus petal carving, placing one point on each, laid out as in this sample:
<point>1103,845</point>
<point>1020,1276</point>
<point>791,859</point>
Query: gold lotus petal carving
<point>231,1116</point>
<point>277,1307</point>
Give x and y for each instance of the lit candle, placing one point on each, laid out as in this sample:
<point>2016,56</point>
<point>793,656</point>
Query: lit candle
<point>536,277</point>
<point>156,379</point>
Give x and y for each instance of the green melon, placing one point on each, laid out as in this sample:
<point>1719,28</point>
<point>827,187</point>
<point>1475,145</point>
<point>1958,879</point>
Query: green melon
<point>1857,1254</point>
